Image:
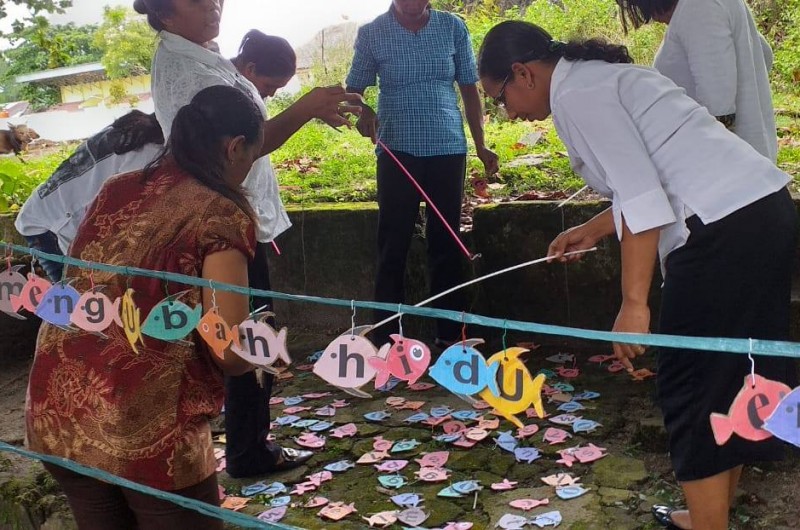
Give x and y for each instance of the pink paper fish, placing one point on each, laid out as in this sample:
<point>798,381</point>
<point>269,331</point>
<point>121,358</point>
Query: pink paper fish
<point>419,387</point>
<point>258,343</point>
<point>568,373</point>
<point>476,434</point>
<point>560,479</point>
<point>303,488</point>
<point>527,431</point>
<point>381,445</point>
<point>345,362</point>
<point>528,504</point>
<point>316,502</point>
<point>339,404</point>
<point>95,312</point>
<point>411,405</point>
<point>320,477</point>
<point>345,431</point>
<point>458,526</point>
<point>452,427</point>
<point>337,511</point>
<point>406,359</point>
<point>437,459</point>
<point>465,443</point>
<point>310,440</point>
<point>372,457</point>
<point>489,425</point>
<point>296,409</point>
<point>32,294</point>
<point>600,359</point>
<point>382,519</point>
<point>590,453</point>
<point>432,474</point>
<point>391,466</point>
<point>750,408</point>
<point>555,436</point>
<point>615,367</point>
<point>394,401</point>
<point>504,486</point>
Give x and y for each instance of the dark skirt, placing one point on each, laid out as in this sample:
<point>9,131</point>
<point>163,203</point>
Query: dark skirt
<point>731,279</point>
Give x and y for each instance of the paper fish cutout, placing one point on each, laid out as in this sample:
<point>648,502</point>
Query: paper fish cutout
<point>564,387</point>
<point>407,500</point>
<point>506,441</point>
<point>326,412</point>
<point>382,519</point>
<point>432,474</point>
<point>391,466</point>
<point>528,504</point>
<point>234,503</point>
<point>458,526</point>
<point>586,395</point>
<point>751,406</point>
<point>585,426</point>
<point>377,416</point>
<point>506,485</point>
<point>527,431</point>
<point>416,418</point>
<point>277,502</point>
<point>548,373</point>
<point>467,486</point>
<point>481,405</point>
<point>449,492</point>
<point>560,479</point>
<point>320,477</point>
<point>437,459</point>
<point>392,481</point>
<point>336,511</point>
<point>311,441</point>
<point>372,457</point>
<point>58,304</point>
<point>412,517</point>
<point>555,436</point>
<point>433,421</point>
<point>172,320</point>
<point>465,443</point>
<point>382,445</point>
<point>511,522</point>
<point>441,411</point>
<point>344,363</point>
<point>276,488</point>
<point>293,401</point>
<point>273,515</point>
<point>784,422</point>
<point>316,502</point>
<point>571,406</point>
<point>447,438</point>
<point>129,316</point>
<point>406,359</point>
<point>588,454</point>
<point>395,401</point>
<point>615,367</point>
<point>95,312</point>
<point>320,426</point>
<point>476,434</point>
<point>303,488</point>
<point>287,420</point>
<point>214,331</point>
<point>302,424</point>
<point>526,454</point>
<point>568,373</point>
<point>564,419</point>
<point>12,284</point>
<point>454,427</point>
<point>345,431</point>
<point>546,519</point>
<point>561,358</point>
<point>642,374</point>
<point>461,369</point>
<point>517,390</point>
<point>32,294</point>
<point>258,343</point>
<point>405,445</point>
<point>466,415</point>
<point>254,489</point>
<point>340,466</point>
<point>411,405</point>
<point>570,492</point>
<point>420,387</point>
<point>600,359</point>
<point>339,404</point>
<point>489,425</point>
<point>559,397</point>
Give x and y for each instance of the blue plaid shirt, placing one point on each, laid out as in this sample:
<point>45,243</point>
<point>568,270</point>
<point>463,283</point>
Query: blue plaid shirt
<point>418,108</point>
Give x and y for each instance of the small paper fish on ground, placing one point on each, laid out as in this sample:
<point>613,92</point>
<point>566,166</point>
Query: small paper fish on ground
<point>340,466</point>
<point>420,387</point>
<point>546,519</point>
<point>506,485</point>
<point>642,374</point>
<point>273,515</point>
<point>561,358</point>
<point>449,492</point>
<point>586,395</point>
<point>571,406</point>
<point>293,401</point>
<point>234,503</point>
<point>441,411</point>
<point>316,395</point>
<point>276,488</point>
<point>465,443</point>
<point>458,526</point>
<point>392,481</point>
<point>565,419</point>
<point>746,419</point>
<point>506,441</point>
<point>311,441</point>
<point>381,444</point>
<point>405,445</point>
<point>413,516</point>
<point>447,438</point>
<point>372,457</point>
<point>453,427</point>
<point>417,418</point>
<point>411,405</point>
<point>526,454</point>
<point>287,420</point>
<point>377,416</point>
<point>382,519</point>
<point>466,415</point>
<point>303,424</point>
<point>395,401</point>
<point>585,426</point>
<point>600,359</point>
<point>570,492</point>
<point>339,404</point>
<point>433,422</point>
<point>436,459</point>
<point>432,474</point>
<point>528,504</point>
<point>391,466</point>
<point>345,431</point>
<point>326,412</point>
<point>316,502</point>
<point>511,522</point>
<point>337,511</point>
<point>590,453</point>
<point>467,486</point>
<point>564,387</point>
<point>559,397</point>
<point>527,431</point>
<point>303,488</point>
<point>320,426</point>
<point>407,500</point>
<point>489,425</point>
<point>616,366</point>
<point>560,479</point>
<point>254,489</point>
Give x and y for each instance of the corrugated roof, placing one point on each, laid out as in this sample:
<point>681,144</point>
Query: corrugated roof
<point>89,70</point>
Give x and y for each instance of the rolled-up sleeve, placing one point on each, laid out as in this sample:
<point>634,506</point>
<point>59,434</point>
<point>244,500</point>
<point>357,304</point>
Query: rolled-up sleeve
<point>364,70</point>
<point>603,135</point>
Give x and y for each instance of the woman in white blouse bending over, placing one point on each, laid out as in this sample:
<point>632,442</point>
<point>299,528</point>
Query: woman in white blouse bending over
<point>713,49</point>
<point>184,64</point>
<point>684,187</point>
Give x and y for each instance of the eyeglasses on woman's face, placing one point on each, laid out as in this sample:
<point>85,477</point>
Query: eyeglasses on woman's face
<point>500,99</point>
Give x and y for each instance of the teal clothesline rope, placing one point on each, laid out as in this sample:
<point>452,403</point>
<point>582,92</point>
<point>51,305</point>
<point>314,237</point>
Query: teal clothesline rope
<point>228,516</point>
<point>719,344</point>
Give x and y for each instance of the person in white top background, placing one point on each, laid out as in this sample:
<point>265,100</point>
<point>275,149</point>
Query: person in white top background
<point>685,188</point>
<point>714,50</point>
<point>183,65</point>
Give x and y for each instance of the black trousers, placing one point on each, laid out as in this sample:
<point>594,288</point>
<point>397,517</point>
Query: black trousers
<point>442,178</point>
<point>247,418</point>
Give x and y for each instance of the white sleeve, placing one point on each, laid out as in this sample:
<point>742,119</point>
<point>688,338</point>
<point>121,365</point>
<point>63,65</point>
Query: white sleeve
<point>604,136</point>
<point>705,31</point>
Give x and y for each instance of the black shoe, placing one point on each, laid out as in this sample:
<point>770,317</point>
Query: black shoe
<point>663,514</point>
<point>292,458</point>
<point>271,459</point>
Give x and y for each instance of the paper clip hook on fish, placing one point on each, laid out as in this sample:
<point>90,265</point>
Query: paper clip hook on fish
<point>400,319</point>
<point>752,363</point>
<point>353,320</point>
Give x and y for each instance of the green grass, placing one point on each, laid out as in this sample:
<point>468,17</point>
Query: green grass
<point>20,176</point>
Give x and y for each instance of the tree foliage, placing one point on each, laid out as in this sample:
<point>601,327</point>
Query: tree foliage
<point>126,41</point>
<point>37,6</point>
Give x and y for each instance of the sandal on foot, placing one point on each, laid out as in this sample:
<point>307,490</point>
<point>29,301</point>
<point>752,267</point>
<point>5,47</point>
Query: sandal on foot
<point>663,514</point>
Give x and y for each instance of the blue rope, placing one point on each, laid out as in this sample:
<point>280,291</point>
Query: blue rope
<point>228,516</point>
<point>718,344</point>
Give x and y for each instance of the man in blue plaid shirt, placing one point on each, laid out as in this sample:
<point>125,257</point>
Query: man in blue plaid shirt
<point>418,55</point>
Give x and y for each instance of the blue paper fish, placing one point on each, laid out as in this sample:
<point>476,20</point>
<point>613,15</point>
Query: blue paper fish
<point>526,454</point>
<point>392,481</point>
<point>254,489</point>
<point>585,426</point>
<point>58,304</point>
<point>407,500</point>
<point>277,502</point>
<point>275,488</point>
<point>548,373</point>
<point>405,445</point>
<point>570,492</point>
<point>287,420</point>
<point>586,395</point>
<point>564,419</point>
<point>784,422</point>
<point>546,519</point>
<point>448,438</point>
<point>389,385</point>
<point>511,521</point>
<point>441,411</point>
<point>417,418</point>
<point>293,401</point>
<point>466,487</point>
<point>466,415</point>
<point>377,416</point>
<point>340,466</point>
<point>172,320</point>
<point>506,441</point>
<point>449,492</point>
<point>571,406</point>
<point>564,387</point>
<point>462,369</point>
<point>320,426</point>
<point>304,424</point>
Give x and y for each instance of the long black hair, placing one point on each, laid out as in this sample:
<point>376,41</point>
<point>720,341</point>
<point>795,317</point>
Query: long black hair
<point>199,128</point>
<point>154,9</point>
<point>515,41</point>
<point>134,130</point>
<point>272,56</point>
<point>637,13</point>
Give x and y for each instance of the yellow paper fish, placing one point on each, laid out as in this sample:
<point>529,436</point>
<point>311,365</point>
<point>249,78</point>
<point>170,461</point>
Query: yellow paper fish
<point>518,390</point>
<point>129,316</point>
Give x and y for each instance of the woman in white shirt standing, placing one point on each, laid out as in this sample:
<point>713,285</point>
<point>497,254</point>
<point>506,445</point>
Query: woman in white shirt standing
<point>184,64</point>
<point>713,49</point>
<point>684,188</point>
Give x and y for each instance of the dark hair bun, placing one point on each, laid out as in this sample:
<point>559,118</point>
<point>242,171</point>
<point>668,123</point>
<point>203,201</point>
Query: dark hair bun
<point>140,6</point>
